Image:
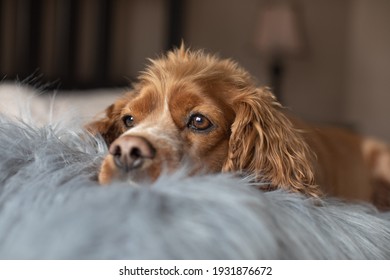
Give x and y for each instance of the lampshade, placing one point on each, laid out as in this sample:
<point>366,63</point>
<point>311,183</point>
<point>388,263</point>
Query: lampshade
<point>278,32</point>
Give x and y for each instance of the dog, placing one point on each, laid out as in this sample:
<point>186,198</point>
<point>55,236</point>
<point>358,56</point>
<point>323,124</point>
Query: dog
<point>193,108</point>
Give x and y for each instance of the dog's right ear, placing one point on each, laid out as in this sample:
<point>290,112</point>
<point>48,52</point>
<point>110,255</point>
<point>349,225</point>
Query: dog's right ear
<point>109,127</point>
<point>266,144</point>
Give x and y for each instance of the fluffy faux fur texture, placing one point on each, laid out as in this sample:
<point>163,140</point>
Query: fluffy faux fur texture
<point>51,207</point>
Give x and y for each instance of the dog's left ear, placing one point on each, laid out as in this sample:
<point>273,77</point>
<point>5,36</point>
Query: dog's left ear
<point>265,143</point>
<point>109,126</point>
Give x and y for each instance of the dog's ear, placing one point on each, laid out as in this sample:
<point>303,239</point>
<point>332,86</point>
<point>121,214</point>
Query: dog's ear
<point>109,127</point>
<point>265,143</point>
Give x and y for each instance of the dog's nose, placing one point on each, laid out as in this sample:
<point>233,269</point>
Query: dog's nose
<point>130,152</point>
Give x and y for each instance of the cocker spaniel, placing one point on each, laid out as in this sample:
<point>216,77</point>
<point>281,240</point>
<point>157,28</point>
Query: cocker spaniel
<point>192,107</point>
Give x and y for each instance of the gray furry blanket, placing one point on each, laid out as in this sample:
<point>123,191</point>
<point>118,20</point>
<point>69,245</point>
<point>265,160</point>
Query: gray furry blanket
<point>52,208</point>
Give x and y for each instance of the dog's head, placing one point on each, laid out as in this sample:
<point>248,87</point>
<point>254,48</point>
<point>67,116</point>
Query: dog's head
<point>193,107</point>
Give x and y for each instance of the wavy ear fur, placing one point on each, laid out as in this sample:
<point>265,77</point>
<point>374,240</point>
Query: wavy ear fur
<point>265,143</point>
<point>109,126</point>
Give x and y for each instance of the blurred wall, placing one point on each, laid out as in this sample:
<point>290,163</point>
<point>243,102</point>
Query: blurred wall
<point>368,79</point>
<point>226,27</point>
<point>314,83</point>
<point>139,30</point>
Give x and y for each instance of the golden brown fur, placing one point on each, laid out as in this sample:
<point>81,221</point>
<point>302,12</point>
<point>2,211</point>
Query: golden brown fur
<point>249,132</point>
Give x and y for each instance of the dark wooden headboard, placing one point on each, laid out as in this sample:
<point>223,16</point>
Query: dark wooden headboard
<point>74,43</point>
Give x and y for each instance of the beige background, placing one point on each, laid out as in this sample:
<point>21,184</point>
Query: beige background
<point>344,77</point>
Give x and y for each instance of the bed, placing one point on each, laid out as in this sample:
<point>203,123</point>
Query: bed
<point>51,206</point>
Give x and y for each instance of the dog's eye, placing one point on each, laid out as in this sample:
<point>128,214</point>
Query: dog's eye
<point>199,122</point>
<point>128,120</point>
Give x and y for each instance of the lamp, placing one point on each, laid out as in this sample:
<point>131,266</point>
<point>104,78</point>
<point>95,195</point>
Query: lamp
<point>278,37</point>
